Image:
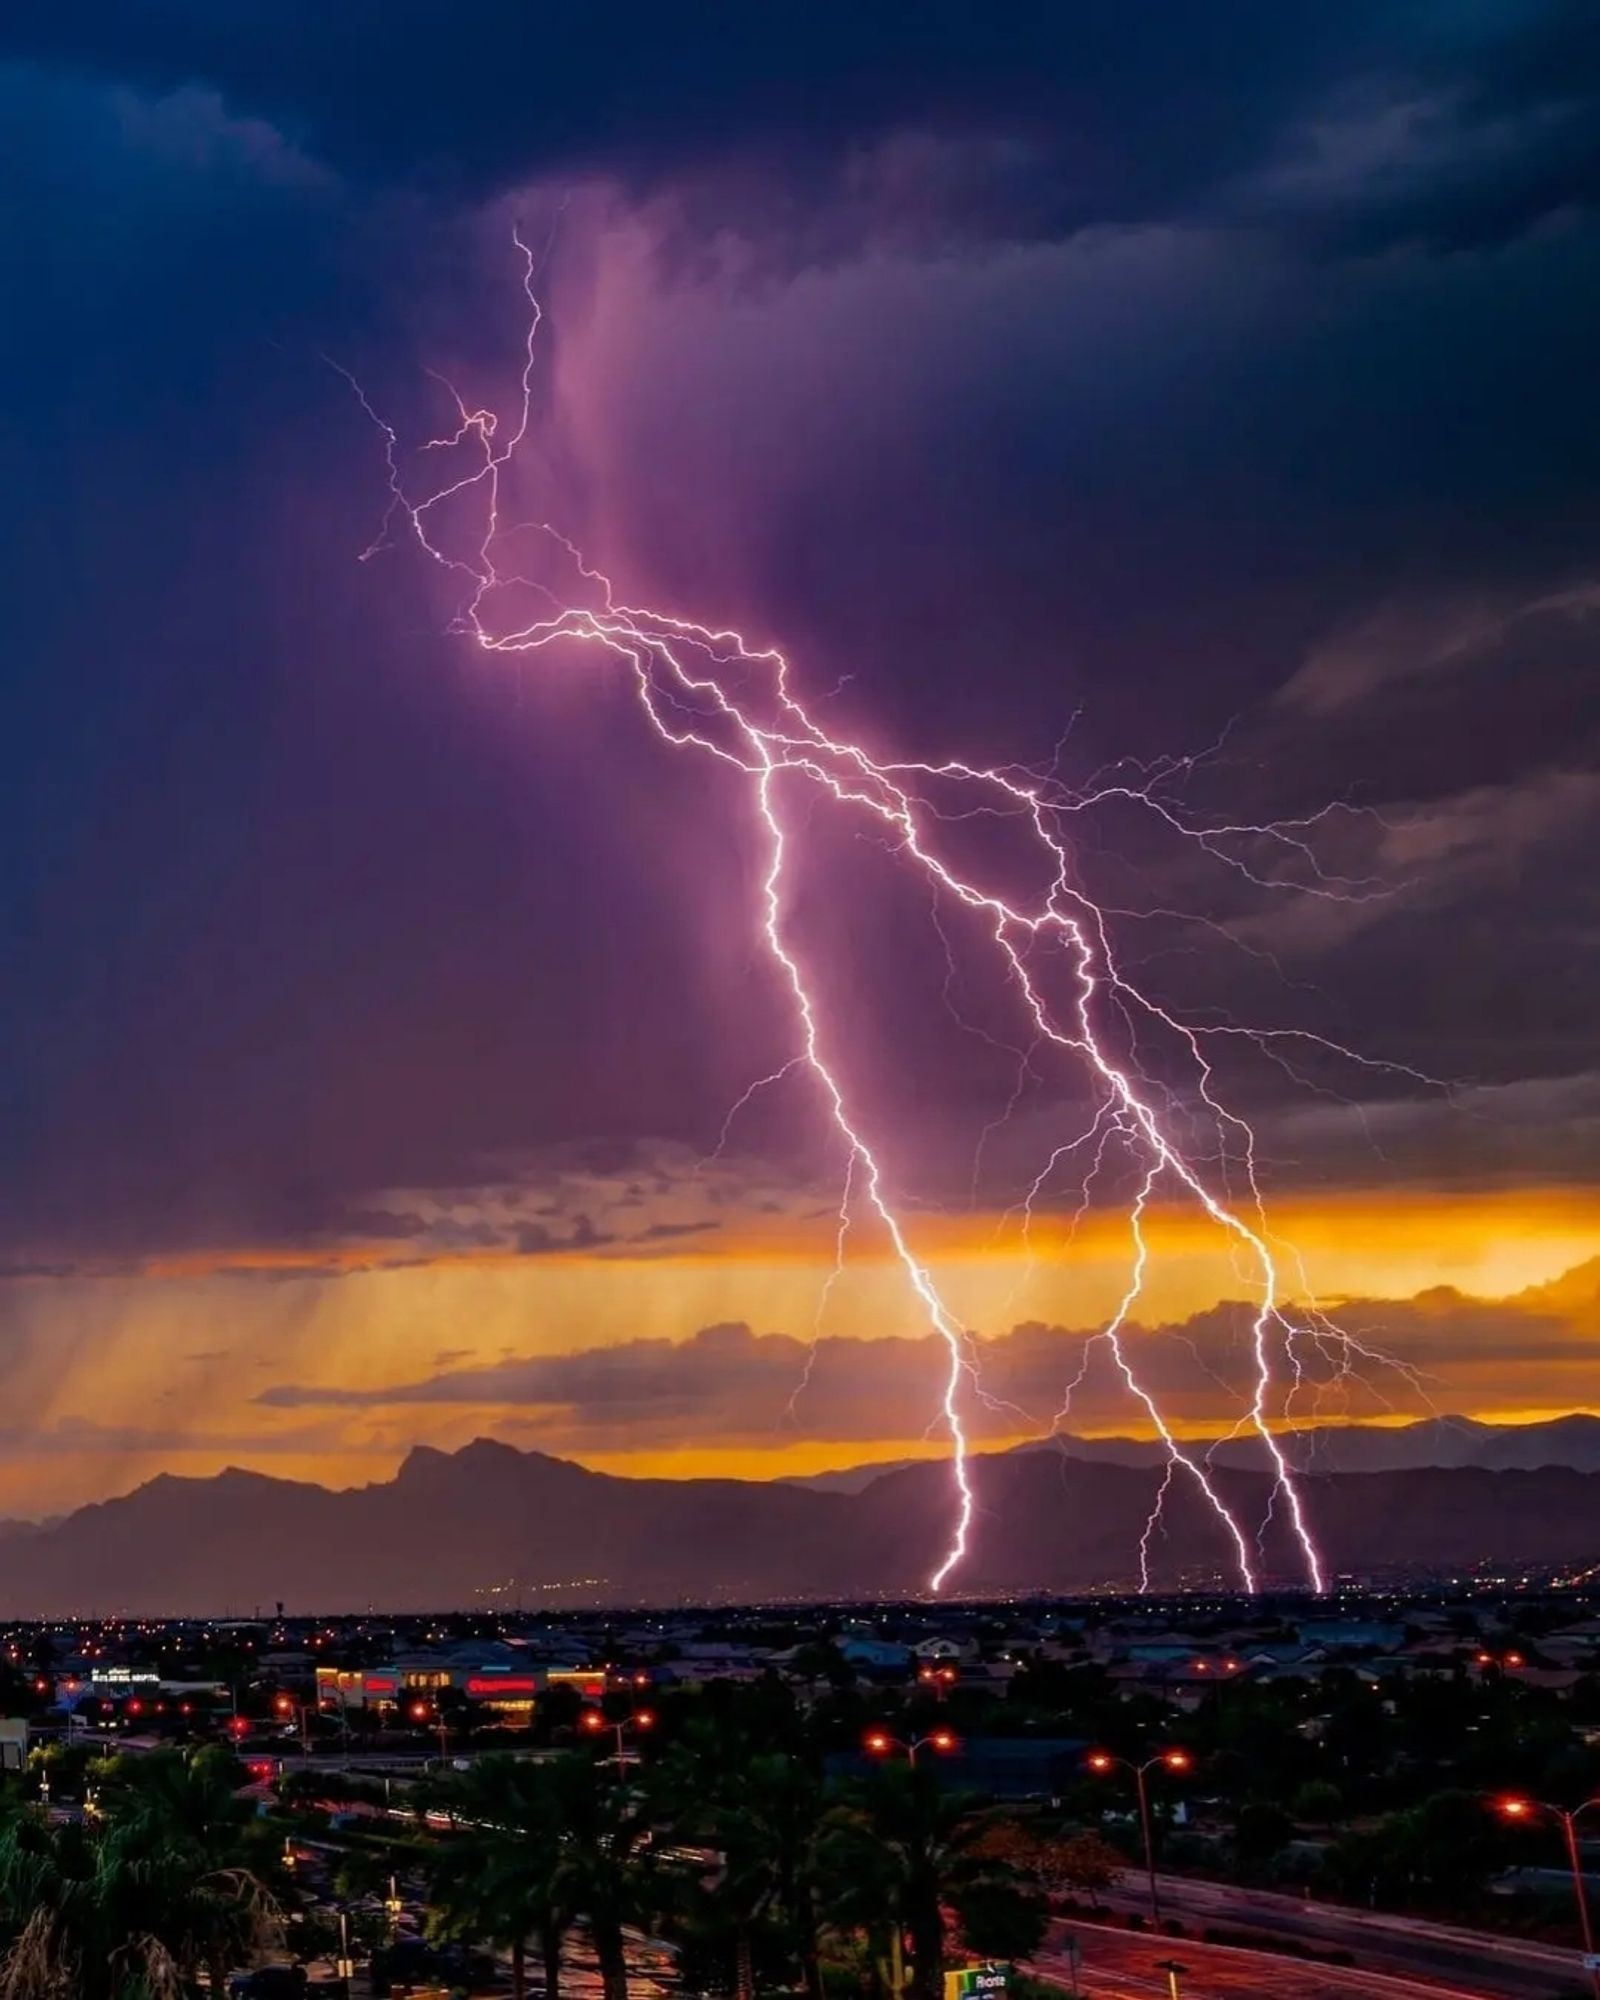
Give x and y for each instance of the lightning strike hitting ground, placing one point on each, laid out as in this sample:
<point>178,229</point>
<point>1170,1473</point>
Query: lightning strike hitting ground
<point>710,692</point>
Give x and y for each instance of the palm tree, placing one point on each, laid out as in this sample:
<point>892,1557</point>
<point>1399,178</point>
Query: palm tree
<point>500,1878</point>
<point>761,1812</point>
<point>893,1853</point>
<point>195,1801</point>
<point>181,1839</point>
<point>128,1911</point>
<point>47,1906</point>
<point>604,1822</point>
<point>178,1911</point>
<point>534,1848</point>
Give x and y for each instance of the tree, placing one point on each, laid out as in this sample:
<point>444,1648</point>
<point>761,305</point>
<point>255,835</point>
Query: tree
<point>1441,1854</point>
<point>604,1823</point>
<point>892,1854</point>
<point>135,1908</point>
<point>557,1711</point>
<point>179,1832</point>
<point>1001,1917</point>
<point>1317,1803</point>
<point>761,1812</point>
<point>533,1848</point>
<point>500,1877</point>
<point>1260,1832</point>
<point>1455,1845</point>
<point>1055,1863</point>
<point>821,1660</point>
<point>194,1801</point>
<point>47,1909</point>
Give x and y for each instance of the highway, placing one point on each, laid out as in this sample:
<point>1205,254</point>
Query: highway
<point>1124,1965</point>
<point>1475,1962</point>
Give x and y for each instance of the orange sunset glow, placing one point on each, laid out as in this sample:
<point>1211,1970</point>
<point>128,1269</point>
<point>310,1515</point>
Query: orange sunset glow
<point>190,1345</point>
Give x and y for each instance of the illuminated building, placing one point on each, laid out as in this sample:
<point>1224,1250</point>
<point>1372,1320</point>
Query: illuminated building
<point>496,1677</point>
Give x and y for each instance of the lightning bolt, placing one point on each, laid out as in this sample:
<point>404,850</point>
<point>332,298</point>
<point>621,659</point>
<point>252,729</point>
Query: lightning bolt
<point>713,692</point>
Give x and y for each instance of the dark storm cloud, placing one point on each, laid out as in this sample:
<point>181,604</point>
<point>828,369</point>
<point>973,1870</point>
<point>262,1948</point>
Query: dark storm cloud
<point>300,907</point>
<point>1366,123</point>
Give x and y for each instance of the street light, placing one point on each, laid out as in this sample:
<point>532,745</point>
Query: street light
<point>420,1711</point>
<point>344,1965</point>
<point>1102,1762</point>
<point>285,1704</point>
<point>1523,1811</point>
<point>881,1744</point>
<point>940,1679</point>
<point>594,1722</point>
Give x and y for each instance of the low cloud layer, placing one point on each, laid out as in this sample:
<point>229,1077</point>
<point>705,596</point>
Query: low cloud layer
<point>727,1384</point>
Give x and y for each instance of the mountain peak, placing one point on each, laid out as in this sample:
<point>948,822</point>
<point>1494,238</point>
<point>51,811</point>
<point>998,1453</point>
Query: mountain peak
<point>484,1458</point>
<point>489,1520</point>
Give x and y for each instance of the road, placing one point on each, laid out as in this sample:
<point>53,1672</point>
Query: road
<point>1474,1962</point>
<point>1123,1965</point>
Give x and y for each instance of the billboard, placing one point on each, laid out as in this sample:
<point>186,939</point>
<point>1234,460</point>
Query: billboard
<point>977,1982</point>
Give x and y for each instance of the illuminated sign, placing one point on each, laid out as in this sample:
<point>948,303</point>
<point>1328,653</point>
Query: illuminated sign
<point>375,1685</point>
<point>502,1684</point>
<point>586,1680</point>
<point>977,1982</point>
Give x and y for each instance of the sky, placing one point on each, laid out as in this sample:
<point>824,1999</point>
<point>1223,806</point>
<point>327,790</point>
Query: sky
<point>1195,395</point>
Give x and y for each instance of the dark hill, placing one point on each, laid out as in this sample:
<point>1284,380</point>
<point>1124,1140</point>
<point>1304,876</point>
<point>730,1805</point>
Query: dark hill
<point>452,1528</point>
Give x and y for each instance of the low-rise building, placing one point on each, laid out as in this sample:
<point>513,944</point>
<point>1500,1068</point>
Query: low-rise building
<point>499,1677</point>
